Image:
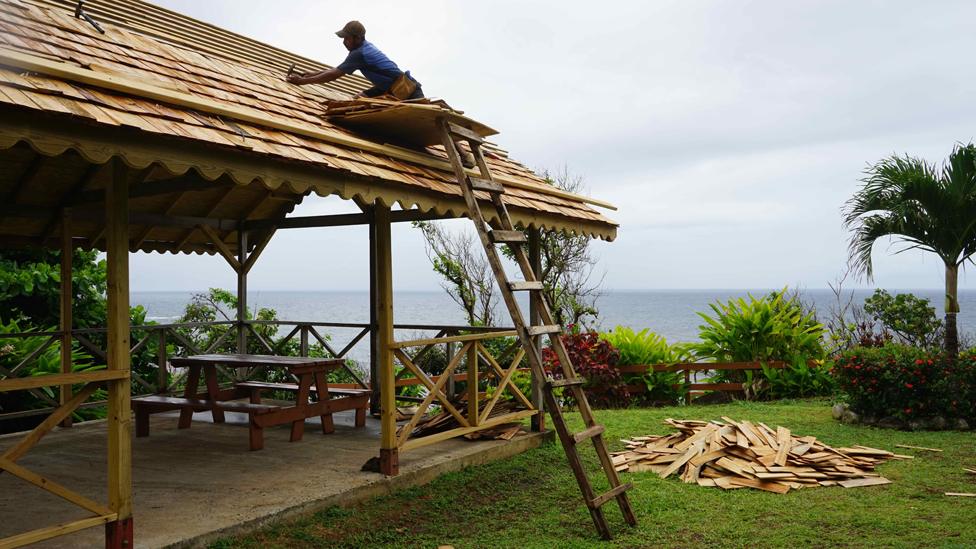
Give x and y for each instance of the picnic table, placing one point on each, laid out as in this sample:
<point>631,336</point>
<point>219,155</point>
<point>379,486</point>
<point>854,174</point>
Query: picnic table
<point>311,374</point>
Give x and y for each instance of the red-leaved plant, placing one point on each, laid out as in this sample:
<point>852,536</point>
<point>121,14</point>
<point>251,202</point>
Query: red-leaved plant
<point>595,360</point>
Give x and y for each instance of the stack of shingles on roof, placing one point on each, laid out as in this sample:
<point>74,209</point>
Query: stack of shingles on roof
<point>55,35</point>
<point>730,454</point>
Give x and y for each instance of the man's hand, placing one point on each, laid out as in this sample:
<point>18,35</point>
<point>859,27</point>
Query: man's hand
<point>296,78</point>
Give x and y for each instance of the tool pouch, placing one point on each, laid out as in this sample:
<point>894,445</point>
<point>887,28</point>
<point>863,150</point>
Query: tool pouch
<point>403,87</point>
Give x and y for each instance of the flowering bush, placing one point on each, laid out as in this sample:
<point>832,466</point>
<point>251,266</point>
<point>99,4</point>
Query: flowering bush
<point>907,383</point>
<point>595,361</point>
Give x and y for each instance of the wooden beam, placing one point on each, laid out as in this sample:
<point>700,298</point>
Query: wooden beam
<point>538,422</point>
<point>119,405</point>
<point>52,380</point>
<point>454,339</point>
<point>26,178</point>
<point>213,207</point>
<point>341,220</point>
<point>66,318</point>
<point>252,257</point>
<point>374,334</point>
<point>241,292</point>
<point>181,184</point>
<point>143,89</point>
<point>90,174</point>
<point>41,534</point>
<point>383,276</point>
<point>222,247</point>
<point>57,416</point>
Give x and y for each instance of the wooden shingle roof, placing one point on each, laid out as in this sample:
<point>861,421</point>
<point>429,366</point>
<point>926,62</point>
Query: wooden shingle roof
<point>179,106</point>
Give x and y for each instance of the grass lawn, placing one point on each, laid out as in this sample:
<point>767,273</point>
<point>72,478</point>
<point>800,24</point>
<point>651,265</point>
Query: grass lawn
<point>532,499</point>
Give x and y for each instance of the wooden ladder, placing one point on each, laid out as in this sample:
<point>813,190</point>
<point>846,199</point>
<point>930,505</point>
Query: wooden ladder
<point>507,234</point>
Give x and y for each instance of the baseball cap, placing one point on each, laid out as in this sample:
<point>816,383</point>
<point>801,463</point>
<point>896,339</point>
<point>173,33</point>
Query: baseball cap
<point>353,29</point>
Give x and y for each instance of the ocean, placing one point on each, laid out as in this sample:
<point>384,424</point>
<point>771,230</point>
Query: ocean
<point>668,313</point>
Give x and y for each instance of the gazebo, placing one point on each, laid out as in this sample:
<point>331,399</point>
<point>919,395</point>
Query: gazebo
<point>149,131</point>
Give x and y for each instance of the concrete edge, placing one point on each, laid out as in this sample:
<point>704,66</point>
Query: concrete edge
<point>382,486</point>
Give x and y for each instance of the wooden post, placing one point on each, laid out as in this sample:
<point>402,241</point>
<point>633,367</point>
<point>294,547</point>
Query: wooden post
<point>449,348</point>
<point>67,296</point>
<point>473,385</point>
<point>162,372</point>
<point>687,387</point>
<point>303,345</point>
<point>241,291</point>
<point>374,335</point>
<point>535,259</point>
<point>383,277</point>
<point>119,531</point>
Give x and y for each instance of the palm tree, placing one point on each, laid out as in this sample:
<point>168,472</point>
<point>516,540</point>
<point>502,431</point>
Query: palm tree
<point>929,207</point>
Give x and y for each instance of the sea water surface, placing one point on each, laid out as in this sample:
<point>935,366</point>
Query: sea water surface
<point>669,313</point>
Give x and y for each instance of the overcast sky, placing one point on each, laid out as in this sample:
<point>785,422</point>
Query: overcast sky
<point>728,133</point>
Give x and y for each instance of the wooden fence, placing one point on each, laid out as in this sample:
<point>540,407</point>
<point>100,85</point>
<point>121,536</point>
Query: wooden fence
<point>688,367</point>
<point>171,341</point>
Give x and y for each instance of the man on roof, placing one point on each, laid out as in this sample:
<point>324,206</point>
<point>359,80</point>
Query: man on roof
<point>386,77</point>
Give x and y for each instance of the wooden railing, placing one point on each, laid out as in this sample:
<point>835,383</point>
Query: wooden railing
<point>170,340</point>
<point>689,367</point>
<point>481,366</point>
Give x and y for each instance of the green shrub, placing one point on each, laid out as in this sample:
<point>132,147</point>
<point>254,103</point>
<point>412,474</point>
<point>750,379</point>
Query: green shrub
<point>907,383</point>
<point>909,317</point>
<point>14,350</point>
<point>798,378</point>
<point>770,328</point>
<point>647,348</point>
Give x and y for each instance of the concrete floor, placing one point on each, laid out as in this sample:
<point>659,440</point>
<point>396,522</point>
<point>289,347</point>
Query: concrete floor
<point>193,486</point>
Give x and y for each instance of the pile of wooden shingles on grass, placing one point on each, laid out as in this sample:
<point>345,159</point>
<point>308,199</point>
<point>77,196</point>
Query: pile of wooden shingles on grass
<point>730,454</point>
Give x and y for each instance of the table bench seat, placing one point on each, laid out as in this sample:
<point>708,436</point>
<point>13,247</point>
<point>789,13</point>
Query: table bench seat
<point>349,399</point>
<point>146,405</point>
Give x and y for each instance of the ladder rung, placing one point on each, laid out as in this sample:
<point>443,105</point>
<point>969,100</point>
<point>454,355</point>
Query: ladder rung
<point>554,383</point>
<point>507,237</point>
<point>487,185</point>
<point>588,433</point>
<point>525,285</point>
<point>600,500</point>
<point>542,330</point>
<point>461,131</point>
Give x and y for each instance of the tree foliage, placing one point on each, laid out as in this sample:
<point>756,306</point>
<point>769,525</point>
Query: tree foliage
<point>466,273</point>
<point>567,269</point>
<point>909,317</point>
<point>30,287</point>
<point>930,208</point>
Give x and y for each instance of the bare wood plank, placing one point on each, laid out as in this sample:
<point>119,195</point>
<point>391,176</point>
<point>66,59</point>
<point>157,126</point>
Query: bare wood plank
<point>453,339</point>
<point>41,534</point>
<point>415,443</point>
<point>117,351</point>
<point>66,319</point>
<point>859,482</point>
<point>53,487</point>
<point>57,416</point>
<point>507,237</point>
<point>425,404</point>
<point>917,448</point>
<point>23,383</point>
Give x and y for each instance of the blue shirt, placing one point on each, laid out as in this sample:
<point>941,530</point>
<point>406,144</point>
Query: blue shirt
<point>374,64</point>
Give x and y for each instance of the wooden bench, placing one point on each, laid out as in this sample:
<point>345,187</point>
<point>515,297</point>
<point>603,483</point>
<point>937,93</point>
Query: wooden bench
<point>144,406</point>
<point>355,399</point>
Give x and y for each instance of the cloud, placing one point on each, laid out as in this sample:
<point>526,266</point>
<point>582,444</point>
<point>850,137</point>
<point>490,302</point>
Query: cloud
<point>730,133</point>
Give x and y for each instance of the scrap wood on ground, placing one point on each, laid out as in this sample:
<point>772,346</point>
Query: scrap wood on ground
<point>441,420</point>
<point>730,454</point>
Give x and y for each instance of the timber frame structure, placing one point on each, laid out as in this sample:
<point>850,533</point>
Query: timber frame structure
<point>165,134</point>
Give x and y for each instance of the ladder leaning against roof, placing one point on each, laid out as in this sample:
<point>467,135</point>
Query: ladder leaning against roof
<point>507,234</point>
